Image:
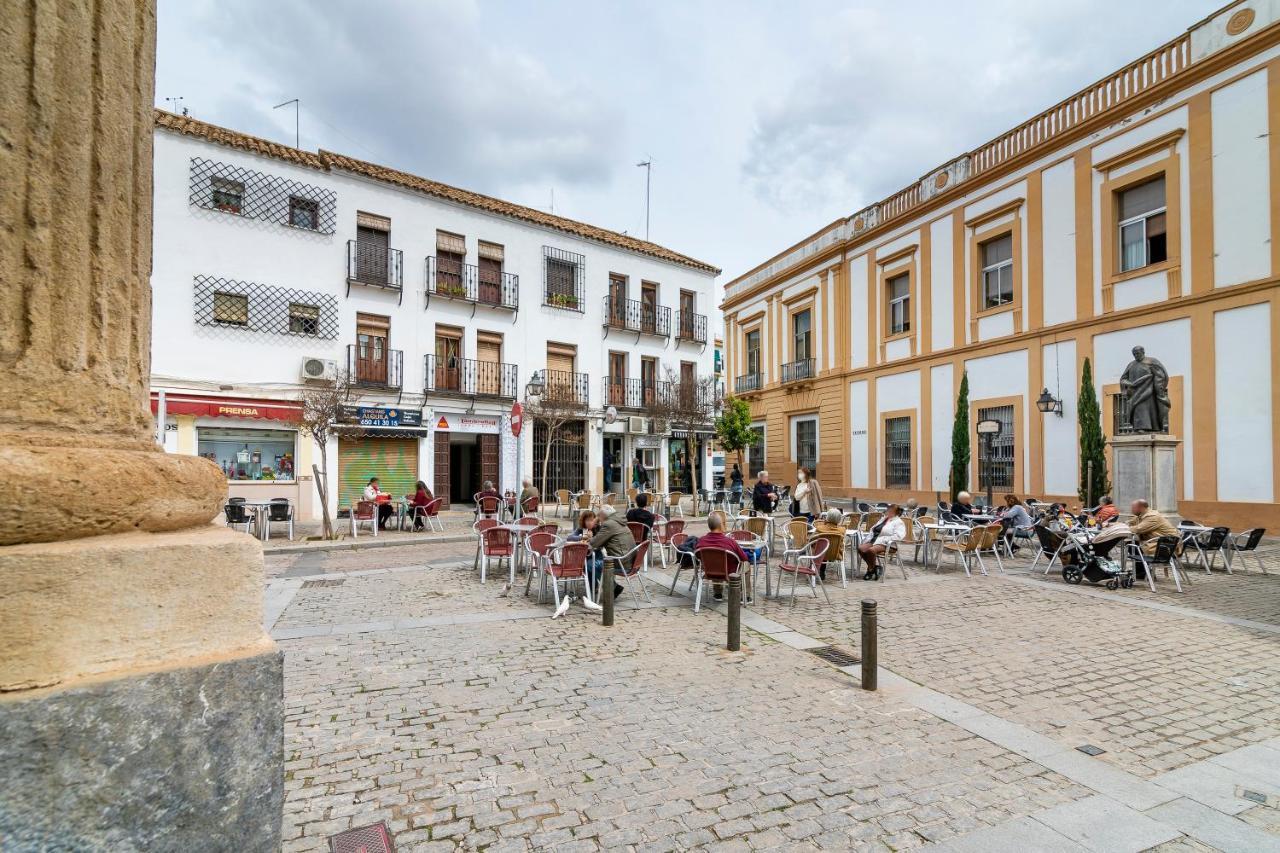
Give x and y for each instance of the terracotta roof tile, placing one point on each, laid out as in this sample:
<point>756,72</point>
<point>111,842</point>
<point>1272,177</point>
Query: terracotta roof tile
<point>328,160</point>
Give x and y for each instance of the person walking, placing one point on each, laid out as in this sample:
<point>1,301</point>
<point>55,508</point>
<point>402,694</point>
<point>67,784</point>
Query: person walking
<point>735,485</point>
<point>808,495</point>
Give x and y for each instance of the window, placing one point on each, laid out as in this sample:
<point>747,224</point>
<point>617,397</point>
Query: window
<point>304,213</point>
<point>250,454</point>
<point>753,352</point>
<point>755,454</point>
<point>228,195</point>
<point>897,453</point>
<point>997,272</point>
<point>899,303</point>
<point>806,436</point>
<point>800,329</point>
<point>1142,225</point>
<point>231,308</point>
<point>562,278</point>
<point>304,319</point>
<point>998,469</point>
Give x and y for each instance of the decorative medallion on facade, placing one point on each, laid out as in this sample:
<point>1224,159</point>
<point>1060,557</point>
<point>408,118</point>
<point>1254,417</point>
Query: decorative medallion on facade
<point>257,195</point>
<point>245,306</point>
<point>1240,21</point>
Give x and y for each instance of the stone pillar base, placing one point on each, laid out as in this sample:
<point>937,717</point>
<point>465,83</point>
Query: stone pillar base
<point>1146,468</point>
<point>190,758</point>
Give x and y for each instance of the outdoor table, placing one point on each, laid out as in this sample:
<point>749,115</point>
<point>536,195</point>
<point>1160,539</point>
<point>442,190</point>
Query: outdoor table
<point>943,530</point>
<point>740,522</point>
<point>258,507</point>
<point>1191,533</point>
<point>755,550</point>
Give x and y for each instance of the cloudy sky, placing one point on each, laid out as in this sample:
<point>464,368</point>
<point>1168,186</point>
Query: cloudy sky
<point>764,120</point>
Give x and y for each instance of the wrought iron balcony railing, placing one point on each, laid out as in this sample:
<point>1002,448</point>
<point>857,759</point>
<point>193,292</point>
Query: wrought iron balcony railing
<point>687,395</point>
<point>633,393</point>
<point>564,279</point>
<point>565,387</point>
<point>796,371</point>
<point>691,327</point>
<point>748,383</point>
<point>375,366</point>
<point>470,377</point>
<point>375,266</point>
<point>468,283</point>
<point>635,315</point>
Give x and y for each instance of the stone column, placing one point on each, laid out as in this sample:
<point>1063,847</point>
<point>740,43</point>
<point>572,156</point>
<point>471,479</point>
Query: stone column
<point>140,698</point>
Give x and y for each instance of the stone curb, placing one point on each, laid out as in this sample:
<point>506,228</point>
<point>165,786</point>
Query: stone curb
<point>372,542</point>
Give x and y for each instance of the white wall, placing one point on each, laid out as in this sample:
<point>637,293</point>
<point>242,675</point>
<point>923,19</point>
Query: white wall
<point>942,392</point>
<point>1241,186</point>
<point>1061,444</point>
<point>941,284</point>
<point>1058,192</point>
<point>858,311</point>
<point>859,476</point>
<point>1004,375</point>
<point>1242,368</point>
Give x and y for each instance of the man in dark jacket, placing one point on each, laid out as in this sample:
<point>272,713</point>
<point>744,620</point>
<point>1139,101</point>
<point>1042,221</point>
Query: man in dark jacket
<point>764,496</point>
<point>640,512</point>
<point>613,539</point>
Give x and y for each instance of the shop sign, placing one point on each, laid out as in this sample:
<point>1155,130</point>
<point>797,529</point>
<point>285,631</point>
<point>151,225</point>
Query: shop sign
<point>451,422</point>
<point>647,441</point>
<point>213,407</point>
<point>381,416</point>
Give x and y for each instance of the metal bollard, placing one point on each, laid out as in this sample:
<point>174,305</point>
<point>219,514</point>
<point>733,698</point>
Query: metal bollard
<point>870,654</point>
<point>606,593</point>
<point>735,612</point>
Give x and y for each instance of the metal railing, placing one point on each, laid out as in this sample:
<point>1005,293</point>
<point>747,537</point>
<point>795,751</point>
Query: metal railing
<point>566,387</point>
<point>691,327</point>
<point>375,366</point>
<point>795,371</point>
<point>470,377</point>
<point>633,393</point>
<point>377,266</point>
<point>564,279</point>
<point>469,283</point>
<point>635,315</point>
<point>748,383</point>
<point>685,395</point>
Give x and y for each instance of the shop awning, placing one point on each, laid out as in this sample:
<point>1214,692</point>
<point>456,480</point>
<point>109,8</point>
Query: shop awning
<point>228,407</point>
<point>383,432</point>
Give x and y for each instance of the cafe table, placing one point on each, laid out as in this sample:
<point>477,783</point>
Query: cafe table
<point>945,531</point>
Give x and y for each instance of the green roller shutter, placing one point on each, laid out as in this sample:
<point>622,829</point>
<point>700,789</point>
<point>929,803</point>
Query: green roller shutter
<point>394,461</point>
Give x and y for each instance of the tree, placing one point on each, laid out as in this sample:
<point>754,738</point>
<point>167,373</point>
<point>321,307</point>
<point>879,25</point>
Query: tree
<point>562,402</point>
<point>689,406</point>
<point>959,480</point>
<point>733,427</point>
<point>322,405</point>
<point>1093,444</point>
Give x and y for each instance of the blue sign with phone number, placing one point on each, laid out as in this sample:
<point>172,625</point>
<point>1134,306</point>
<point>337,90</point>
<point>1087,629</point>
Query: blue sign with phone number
<point>378,417</point>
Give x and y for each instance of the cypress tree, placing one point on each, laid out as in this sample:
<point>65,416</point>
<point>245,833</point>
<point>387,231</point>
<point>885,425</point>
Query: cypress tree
<point>960,441</point>
<point>1093,444</point>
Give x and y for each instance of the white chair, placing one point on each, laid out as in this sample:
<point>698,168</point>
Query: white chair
<point>364,512</point>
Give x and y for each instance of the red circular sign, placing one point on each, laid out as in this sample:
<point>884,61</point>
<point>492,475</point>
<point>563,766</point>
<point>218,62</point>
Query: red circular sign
<point>517,418</point>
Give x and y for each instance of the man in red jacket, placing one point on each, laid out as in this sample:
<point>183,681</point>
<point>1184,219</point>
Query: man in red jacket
<point>715,537</point>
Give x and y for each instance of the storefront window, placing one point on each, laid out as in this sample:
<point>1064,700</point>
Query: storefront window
<point>250,454</point>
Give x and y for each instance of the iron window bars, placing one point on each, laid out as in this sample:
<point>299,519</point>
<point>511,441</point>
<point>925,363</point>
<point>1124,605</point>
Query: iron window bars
<point>374,265</point>
<point>897,453</point>
<point>449,279</point>
<point>796,371</point>
<point>262,308</point>
<point>566,387</point>
<point>635,315</point>
<point>470,377</point>
<point>373,365</point>
<point>257,195</point>
<point>998,470</point>
<point>636,394</point>
<point>748,383</point>
<point>691,327</point>
<point>564,279</point>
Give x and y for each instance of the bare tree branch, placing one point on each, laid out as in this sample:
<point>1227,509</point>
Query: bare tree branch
<point>322,405</point>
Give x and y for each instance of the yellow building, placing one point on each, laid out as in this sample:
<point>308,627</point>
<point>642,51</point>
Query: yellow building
<point>1142,211</point>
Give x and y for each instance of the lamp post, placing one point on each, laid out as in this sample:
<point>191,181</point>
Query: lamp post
<point>533,389</point>
<point>988,428</point>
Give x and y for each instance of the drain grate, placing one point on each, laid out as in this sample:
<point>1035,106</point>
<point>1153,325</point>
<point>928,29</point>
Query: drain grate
<point>835,655</point>
<point>328,582</point>
<point>365,839</point>
<point>1090,749</point>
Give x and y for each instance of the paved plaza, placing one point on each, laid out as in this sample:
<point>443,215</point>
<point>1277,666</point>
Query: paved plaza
<point>465,718</point>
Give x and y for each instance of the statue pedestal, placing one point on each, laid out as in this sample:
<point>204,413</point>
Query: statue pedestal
<point>1146,468</point>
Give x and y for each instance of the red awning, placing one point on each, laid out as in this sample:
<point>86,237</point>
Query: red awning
<point>228,407</point>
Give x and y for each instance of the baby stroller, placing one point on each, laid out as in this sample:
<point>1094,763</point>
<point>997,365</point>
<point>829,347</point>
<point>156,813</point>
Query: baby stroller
<point>1093,561</point>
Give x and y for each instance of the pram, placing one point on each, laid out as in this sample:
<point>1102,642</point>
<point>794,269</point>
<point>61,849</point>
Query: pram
<point>1093,561</point>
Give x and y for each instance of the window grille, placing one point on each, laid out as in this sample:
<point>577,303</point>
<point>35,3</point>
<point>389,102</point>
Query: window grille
<point>564,275</point>
<point>265,309</point>
<point>807,444</point>
<point>257,195</point>
<point>999,468</point>
<point>897,453</point>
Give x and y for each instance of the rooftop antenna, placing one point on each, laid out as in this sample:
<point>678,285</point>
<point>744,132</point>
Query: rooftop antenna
<point>553,200</point>
<point>175,105</point>
<point>648,173</point>
<point>297,108</point>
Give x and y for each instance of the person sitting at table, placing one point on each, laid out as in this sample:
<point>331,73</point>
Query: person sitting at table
<point>963,505</point>
<point>640,512</point>
<point>418,504</point>
<point>1015,521</point>
<point>910,506</point>
<point>612,538</point>
<point>528,491</point>
<point>1149,525</point>
<point>488,491</point>
<point>764,495</point>
<point>1106,511</point>
<point>890,529</point>
<point>371,493</point>
<point>588,521</point>
<point>829,527</point>
<point>715,537</point>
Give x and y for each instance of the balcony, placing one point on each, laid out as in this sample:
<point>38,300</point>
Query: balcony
<point>691,327</point>
<point>798,371</point>
<point>691,395</point>
<point>634,315</point>
<point>467,377</point>
<point>447,279</point>
<point>375,266</point>
<point>748,383</point>
<point>633,393</point>
<point>372,366</point>
<point>566,388</point>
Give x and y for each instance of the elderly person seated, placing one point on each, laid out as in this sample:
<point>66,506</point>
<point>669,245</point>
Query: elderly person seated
<point>1149,525</point>
<point>889,530</point>
<point>764,495</point>
<point>963,505</point>
<point>828,527</point>
<point>528,491</point>
<point>613,539</point>
<point>715,537</point>
<point>1106,511</point>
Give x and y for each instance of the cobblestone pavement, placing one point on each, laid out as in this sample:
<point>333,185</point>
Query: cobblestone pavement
<point>526,732</point>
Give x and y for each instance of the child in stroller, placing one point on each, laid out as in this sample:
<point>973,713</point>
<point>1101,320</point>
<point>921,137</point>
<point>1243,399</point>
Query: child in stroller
<point>1093,560</point>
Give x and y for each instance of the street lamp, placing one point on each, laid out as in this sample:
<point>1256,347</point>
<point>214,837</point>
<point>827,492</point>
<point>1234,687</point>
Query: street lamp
<point>536,386</point>
<point>1049,403</point>
<point>988,428</point>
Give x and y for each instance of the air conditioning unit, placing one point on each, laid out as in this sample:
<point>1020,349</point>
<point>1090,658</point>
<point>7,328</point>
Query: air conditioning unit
<point>637,426</point>
<point>319,368</point>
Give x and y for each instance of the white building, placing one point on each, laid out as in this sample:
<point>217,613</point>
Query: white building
<point>274,267</point>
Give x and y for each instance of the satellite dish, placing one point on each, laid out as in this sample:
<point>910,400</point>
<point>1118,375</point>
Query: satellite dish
<point>610,415</point>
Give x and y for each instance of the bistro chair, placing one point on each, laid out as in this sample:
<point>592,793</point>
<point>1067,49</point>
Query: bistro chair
<point>629,567</point>
<point>835,553</point>
<point>804,561</point>
<point>1052,544</point>
<point>584,502</point>
<point>563,500</point>
<point>631,496</point>
<point>677,540</point>
<point>796,533</point>
<point>963,548</point>
<point>537,548</point>
<point>639,532</point>
<point>531,505</point>
<point>756,548</point>
<point>870,520</point>
<point>851,521</point>
<point>1209,545</point>
<point>479,528</point>
<point>431,513</point>
<point>488,507</point>
<point>1167,554</point>
<point>674,505</point>
<point>237,514</point>
<point>566,565</point>
<point>498,544</point>
<point>364,512</point>
<point>663,535</point>
<point>715,565</point>
<point>759,526</point>
<point>990,544</point>
<point>1246,544</point>
<point>279,511</point>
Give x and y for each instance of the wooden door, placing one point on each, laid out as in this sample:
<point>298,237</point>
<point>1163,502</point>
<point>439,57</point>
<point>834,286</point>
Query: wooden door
<point>372,334</point>
<point>489,466</point>
<point>448,351</point>
<point>617,301</point>
<point>649,380</point>
<point>688,382</point>
<point>561,359</point>
<point>443,482</point>
<point>617,378</point>
<point>648,307</point>
<point>488,363</point>
<point>490,281</point>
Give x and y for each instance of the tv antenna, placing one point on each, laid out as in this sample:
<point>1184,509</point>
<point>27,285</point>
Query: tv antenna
<point>176,106</point>
<point>297,109</point>
<point>648,173</point>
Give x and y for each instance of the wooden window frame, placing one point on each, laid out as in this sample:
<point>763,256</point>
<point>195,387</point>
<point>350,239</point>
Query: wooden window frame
<point>1170,167</point>
<point>905,260</point>
<point>885,417</point>
<point>793,423</point>
<point>1019,441</point>
<point>889,278</point>
<point>792,314</point>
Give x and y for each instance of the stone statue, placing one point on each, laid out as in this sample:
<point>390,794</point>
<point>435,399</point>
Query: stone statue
<point>1144,386</point>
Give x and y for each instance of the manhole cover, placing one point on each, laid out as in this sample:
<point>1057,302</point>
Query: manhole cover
<point>365,839</point>
<point>834,655</point>
<point>318,584</point>
<point>1090,749</point>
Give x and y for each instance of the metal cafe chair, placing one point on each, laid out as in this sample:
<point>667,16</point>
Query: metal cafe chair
<point>279,511</point>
